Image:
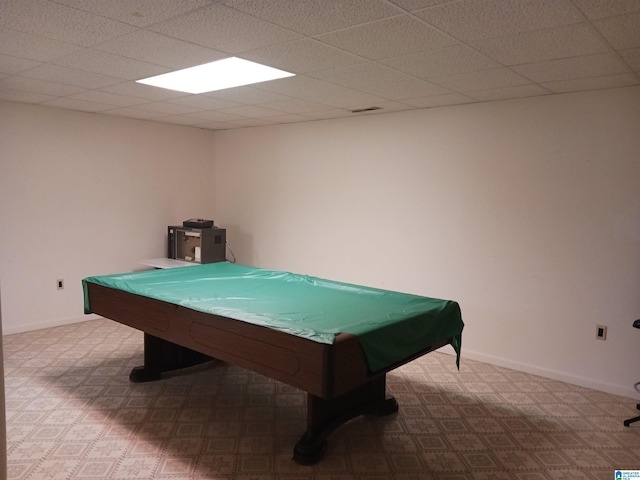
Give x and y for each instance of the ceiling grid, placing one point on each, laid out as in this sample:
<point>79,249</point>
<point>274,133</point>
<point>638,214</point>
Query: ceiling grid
<point>346,54</point>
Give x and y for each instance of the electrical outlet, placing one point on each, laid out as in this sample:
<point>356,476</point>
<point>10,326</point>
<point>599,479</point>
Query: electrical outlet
<point>601,332</point>
<point>60,284</point>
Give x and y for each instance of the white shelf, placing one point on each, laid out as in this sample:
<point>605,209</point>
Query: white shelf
<point>166,263</point>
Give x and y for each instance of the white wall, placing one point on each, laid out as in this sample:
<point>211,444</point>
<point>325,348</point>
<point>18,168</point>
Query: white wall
<point>527,212</point>
<point>524,211</point>
<point>84,194</point>
<point>3,412</point>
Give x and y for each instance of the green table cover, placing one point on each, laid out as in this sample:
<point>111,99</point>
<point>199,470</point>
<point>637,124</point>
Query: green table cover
<point>391,326</point>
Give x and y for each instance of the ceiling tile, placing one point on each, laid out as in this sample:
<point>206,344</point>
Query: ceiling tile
<point>202,102</point>
<point>407,89</point>
<point>632,57</point>
<point>481,80</point>
<point>575,67</point>
<point>444,61</point>
<point>32,47</point>
<point>109,64</point>
<point>180,120</point>
<point>75,104</point>
<point>140,13</point>
<point>289,118</point>
<point>509,92</point>
<point>223,28</point>
<point>40,86</point>
<point>595,9</point>
<point>12,65</point>
<point>70,76</point>
<point>593,83</point>
<point>252,122</point>
<point>58,22</point>
<point>381,107</point>
<point>131,112</point>
<point>252,111</point>
<point>352,99</point>
<point>295,105</point>
<point>470,20</point>
<point>160,49</point>
<point>133,89</point>
<point>439,100</point>
<point>529,47</point>
<point>215,116</point>
<point>218,125</point>
<point>13,95</point>
<point>412,5</point>
<point>399,35</point>
<point>332,113</point>
<point>302,56</point>
<point>248,95</point>
<point>362,75</point>
<point>107,98</point>
<point>167,108</point>
<point>621,32</point>
<point>381,53</point>
<point>311,17</point>
<point>320,92</point>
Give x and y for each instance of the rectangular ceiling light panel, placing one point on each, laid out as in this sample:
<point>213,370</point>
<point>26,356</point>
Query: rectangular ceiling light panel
<point>218,75</point>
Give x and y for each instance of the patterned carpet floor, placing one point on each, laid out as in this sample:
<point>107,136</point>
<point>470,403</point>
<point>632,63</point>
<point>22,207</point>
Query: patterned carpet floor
<point>73,414</point>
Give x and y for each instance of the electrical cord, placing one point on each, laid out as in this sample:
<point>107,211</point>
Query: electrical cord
<point>234,257</point>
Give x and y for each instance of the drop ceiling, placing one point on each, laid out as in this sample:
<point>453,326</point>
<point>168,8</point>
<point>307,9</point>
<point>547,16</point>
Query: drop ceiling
<point>347,54</point>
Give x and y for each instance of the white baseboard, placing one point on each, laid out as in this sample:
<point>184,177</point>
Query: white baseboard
<point>624,391</point>
<point>47,324</point>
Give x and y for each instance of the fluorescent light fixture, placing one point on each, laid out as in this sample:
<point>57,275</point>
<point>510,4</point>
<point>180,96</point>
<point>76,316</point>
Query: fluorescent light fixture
<point>218,75</point>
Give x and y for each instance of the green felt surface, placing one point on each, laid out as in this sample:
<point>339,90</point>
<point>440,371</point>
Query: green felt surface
<point>391,325</point>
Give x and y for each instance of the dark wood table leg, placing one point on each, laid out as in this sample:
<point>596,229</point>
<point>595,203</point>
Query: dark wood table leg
<point>163,356</point>
<point>325,415</point>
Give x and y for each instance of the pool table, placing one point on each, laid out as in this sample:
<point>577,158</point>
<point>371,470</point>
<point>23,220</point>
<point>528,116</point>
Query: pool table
<point>341,369</point>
